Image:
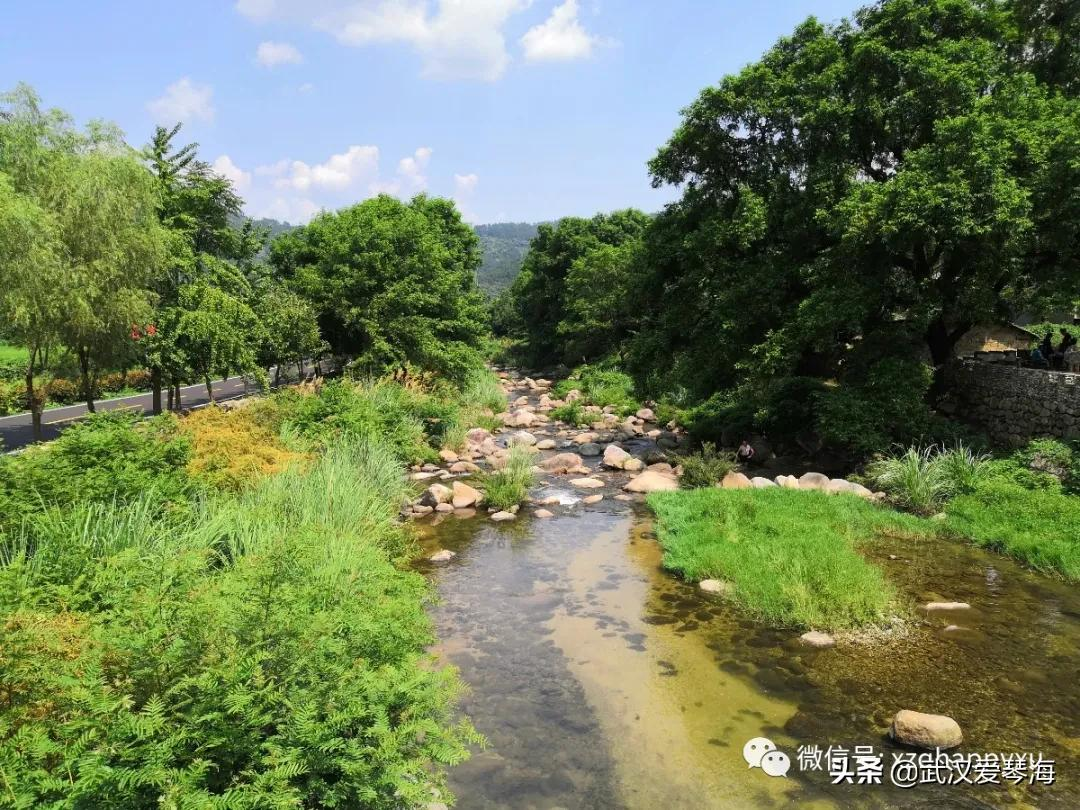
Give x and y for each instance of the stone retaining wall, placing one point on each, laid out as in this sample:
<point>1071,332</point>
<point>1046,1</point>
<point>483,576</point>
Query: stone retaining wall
<point>1016,404</point>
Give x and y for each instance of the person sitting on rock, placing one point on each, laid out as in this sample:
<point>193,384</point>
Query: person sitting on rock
<point>745,451</point>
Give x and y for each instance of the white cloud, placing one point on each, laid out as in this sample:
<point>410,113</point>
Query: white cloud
<point>240,179</point>
<point>412,168</point>
<point>305,88</point>
<point>561,38</point>
<point>456,39</point>
<point>356,165</point>
<point>183,101</point>
<point>465,183</point>
<point>271,54</point>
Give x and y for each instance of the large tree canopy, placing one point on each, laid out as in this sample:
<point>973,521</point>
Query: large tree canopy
<point>394,283</point>
<point>541,289</point>
<point>866,189</point>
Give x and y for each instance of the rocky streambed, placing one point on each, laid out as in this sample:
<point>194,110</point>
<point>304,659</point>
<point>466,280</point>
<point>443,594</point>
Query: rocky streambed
<point>601,681</point>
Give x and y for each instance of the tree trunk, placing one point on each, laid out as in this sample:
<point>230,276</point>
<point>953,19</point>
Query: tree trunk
<point>277,375</point>
<point>177,397</point>
<point>210,390</point>
<point>155,385</point>
<point>87,381</point>
<point>941,340</point>
<point>32,401</point>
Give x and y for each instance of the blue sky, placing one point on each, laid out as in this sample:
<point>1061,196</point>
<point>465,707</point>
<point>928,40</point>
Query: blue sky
<point>522,110</point>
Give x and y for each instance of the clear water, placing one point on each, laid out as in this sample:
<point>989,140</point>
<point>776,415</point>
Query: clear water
<point>603,682</point>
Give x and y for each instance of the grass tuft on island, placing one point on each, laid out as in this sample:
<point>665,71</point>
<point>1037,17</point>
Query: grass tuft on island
<point>791,557</point>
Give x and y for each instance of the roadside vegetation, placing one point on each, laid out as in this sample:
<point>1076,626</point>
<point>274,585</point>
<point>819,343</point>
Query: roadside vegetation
<point>186,599</point>
<point>791,558</point>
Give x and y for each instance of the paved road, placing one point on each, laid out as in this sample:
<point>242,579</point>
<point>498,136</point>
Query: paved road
<point>18,431</point>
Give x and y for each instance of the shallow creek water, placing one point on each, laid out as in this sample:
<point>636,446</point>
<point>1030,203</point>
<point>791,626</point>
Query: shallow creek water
<point>601,681</point>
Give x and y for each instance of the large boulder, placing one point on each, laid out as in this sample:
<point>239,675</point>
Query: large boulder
<point>840,486</point>
<point>561,463</point>
<point>735,480</point>
<point>813,480</point>
<point>435,495</point>
<point>925,730</point>
<point>464,495</point>
<point>760,482</point>
<point>787,481</point>
<point>520,418</point>
<point>589,437</point>
<point>615,457</point>
<point>646,415</point>
<point>652,481</point>
<point>590,449</point>
<point>464,467</point>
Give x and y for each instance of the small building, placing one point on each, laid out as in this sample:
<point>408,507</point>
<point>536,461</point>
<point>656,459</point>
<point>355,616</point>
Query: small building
<point>994,340</point>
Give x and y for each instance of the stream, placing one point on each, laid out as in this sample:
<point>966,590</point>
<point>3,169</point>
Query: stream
<point>601,681</point>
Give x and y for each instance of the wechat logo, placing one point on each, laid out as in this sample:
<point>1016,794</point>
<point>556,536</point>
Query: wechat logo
<point>760,752</point>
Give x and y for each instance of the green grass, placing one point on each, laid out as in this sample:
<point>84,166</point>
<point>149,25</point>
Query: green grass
<point>572,413</point>
<point>12,354</point>
<point>601,386</point>
<point>509,486</point>
<point>791,556</point>
<point>1039,527</point>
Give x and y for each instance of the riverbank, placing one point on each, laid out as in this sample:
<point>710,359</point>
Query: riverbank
<point>602,680</point>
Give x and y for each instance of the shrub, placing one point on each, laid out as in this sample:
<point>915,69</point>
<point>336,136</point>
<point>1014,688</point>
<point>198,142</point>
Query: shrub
<point>722,419</point>
<point>12,398</point>
<point>885,407</point>
<point>107,457</point>
<point>790,556</point>
<point>1053,457</point>
<point>63,391</point>
<point>260,650</point>
<point>370,411</point>
<point>601,385</point>
<point>705,468</point>
<point>572,413</point>
<point>233,449</point>
<point>509,486</point>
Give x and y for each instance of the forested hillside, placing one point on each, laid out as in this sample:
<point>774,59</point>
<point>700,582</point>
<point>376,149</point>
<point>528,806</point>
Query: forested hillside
<point>505,244</point>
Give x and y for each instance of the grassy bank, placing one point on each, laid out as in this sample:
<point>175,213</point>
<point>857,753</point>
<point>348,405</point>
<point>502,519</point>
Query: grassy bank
<point>791,557</point>
<point>216,612</point>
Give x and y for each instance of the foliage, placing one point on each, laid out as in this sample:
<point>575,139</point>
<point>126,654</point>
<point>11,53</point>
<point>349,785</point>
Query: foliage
<point>600,301</point>
<point>705,468</point>
<point>232,449</point>
<point>393,284</point>
<point>369,411</point>
<point>110,457</point>
<point>290,327</point>
<point>1054,330</point>
<point>724,418</point>
<point>790,556</point>
<point>601,385</point>
<point>923,479</point>
<point>1039,527</point>
<point>572,413</point>
<point>295,676</point>
<point>861,195</point>
<point>885,406</point>
<point>540,292</point>
<point>509,486</point>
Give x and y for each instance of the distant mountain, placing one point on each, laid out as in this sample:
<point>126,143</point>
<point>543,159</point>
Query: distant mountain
<point>275,226</point>
<point>504,246</point>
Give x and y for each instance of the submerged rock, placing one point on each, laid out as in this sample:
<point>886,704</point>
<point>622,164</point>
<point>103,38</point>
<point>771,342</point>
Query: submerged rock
<point>925,730</point>
<point>717,586</point>
<point>932,606</point>
<point>815,638</point>
<point>589,449</point>
<point>544,513</point>
<point>442,556</point>
<point>499,517</point>
<point>591,499</point>
<point>587,483</point>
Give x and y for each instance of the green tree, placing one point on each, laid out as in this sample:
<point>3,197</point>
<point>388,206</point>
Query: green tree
<point>873,187</point>
<point>539,292</point>
<point>393,284</point>
<point>290,327</point>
